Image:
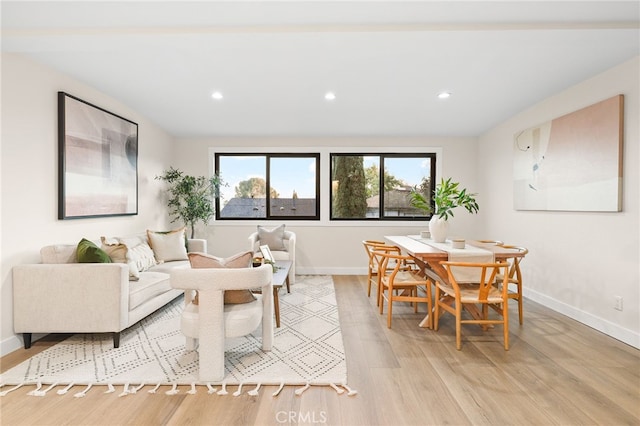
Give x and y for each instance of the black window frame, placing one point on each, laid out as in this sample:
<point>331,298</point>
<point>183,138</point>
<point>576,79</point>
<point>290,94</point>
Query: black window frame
<point>382,156</point>
<point>268,156</point>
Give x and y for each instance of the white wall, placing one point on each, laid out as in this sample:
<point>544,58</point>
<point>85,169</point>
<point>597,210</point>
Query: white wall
<point>579,261</point>
<point>30,169</point>
<point>324,246</point>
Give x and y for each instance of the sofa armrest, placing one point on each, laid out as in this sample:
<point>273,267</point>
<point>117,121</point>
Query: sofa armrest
<point>72,297</point>
<point>196,245</point>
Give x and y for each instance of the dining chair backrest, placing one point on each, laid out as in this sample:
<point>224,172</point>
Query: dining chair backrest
<point>400,281</point>
<point>515,277</point>
<point>373,266</point>
<point>485,292</point>
<point>487,274</point>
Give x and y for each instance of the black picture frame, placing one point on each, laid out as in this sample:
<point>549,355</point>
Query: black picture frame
<point>97,161</point>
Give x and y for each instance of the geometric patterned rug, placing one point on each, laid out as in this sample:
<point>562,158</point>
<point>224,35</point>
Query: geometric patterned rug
<point>308,350</point>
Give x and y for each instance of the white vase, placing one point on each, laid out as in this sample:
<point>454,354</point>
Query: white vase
<point>438,228</point>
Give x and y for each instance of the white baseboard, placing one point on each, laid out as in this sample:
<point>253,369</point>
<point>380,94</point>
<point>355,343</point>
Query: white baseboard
<point>9,345</point>
<point>624,335</point>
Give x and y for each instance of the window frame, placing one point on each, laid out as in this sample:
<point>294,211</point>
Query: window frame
<point>268,156</point>
<point>382,155</point>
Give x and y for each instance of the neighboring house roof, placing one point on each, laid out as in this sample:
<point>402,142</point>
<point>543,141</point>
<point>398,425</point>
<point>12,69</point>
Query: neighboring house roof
<point>255,207</point>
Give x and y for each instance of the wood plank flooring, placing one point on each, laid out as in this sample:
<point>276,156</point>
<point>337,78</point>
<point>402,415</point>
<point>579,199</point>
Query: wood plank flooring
<point>557,372</point>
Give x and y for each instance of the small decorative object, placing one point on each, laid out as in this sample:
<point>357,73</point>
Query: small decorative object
<point>267,257</point>
<point>190,197</point>
<point>97,161</point>
<point>446,197</point>
<point>457,243</point>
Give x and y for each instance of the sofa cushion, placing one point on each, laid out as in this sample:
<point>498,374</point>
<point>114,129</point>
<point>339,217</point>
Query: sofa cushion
<point>167,267</point>
<point>59,253</point>
<point>168,245</point>
<point>89,252</point>
<point>274,238</point>
<point>149,285</point>
<point>238,260</point>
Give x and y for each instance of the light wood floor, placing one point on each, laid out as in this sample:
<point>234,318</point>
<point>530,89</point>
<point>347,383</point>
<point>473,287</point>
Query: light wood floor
<point>557,372</point>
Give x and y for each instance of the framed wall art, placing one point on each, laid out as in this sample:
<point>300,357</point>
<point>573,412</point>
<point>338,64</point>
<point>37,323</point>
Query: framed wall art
<point>573,162</point>
<point>97,161</point>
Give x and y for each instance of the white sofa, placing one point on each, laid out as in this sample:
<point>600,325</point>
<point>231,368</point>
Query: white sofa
<point>60,295</point>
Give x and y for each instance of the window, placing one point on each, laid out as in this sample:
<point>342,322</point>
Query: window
<point>360,191</point>
<point>292,182</point>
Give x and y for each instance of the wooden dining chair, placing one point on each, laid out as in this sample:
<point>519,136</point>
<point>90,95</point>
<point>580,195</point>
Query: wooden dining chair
<point>400,283</point>
<point>515,278</point>
<point>484,293</point>
<point>372,269</point>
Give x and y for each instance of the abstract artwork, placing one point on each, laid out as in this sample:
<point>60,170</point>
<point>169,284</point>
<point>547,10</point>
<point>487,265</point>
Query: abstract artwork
<point>572,163</point>
<point>98,161</point>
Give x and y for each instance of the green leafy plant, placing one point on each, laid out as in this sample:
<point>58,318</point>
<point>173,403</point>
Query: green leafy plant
<point>191,197</point>
<point>446,197</point>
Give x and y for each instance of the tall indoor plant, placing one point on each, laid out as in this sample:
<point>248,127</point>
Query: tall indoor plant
<point>191,197</point>
<point>447,196</point>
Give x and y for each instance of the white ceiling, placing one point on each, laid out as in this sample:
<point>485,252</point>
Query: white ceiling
<point>273,61</point>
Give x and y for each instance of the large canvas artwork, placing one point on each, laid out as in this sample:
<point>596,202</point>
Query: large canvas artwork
<point>572,163</point>
<point>98,161</point>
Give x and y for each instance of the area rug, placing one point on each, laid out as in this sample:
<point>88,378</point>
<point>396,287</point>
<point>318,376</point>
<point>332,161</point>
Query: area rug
<point>308,350</point>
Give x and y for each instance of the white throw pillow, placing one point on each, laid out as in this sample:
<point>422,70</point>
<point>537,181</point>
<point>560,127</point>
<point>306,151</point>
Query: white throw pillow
<point>274,238</point>
<point>133,251</point>
<point>168,246</point>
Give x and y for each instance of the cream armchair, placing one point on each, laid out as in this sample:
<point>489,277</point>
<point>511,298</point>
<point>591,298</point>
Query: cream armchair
<point>289,252</point>
<point>209,322</point>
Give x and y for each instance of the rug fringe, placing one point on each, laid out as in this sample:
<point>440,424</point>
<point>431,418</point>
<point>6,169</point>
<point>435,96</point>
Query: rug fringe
<point>223,390</point>
<point>174,390</point>
<point>129,389</point>
<point>65,390</point>
<point>154,390</point>
<point>276,393</point>
<point>18,386</point>
<point>302,389</point>
<point>193,390</point>
<point>254,392</point>
<point>36,390</point>
<point>84,392</point>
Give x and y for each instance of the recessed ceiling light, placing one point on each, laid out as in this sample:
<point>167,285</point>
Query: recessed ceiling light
<point>217,95</point>
<point>444,95</point>
<point>330,96</point>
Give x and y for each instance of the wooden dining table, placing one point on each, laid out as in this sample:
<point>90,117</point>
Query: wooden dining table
<point>428,258</point>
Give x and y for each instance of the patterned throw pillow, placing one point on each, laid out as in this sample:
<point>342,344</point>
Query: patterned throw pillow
<point>133,251</point>
<point>239,260</point>
<point>88,252</point>
<point>274,238</point>
<point>169,245</point>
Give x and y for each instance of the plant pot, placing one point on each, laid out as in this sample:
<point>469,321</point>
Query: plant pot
<point>438,228</point>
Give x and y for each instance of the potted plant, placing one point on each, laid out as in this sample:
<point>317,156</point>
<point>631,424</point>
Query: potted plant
<point>191,197</point>
<point>447,196</point>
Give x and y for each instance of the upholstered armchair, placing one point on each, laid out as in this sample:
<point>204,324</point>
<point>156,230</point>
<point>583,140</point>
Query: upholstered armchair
<point>207,323</point>
<point>281,243</point>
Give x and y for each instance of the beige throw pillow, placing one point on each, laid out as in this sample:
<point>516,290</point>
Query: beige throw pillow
<point>169,245</point>
<point>239,260</point>
<point>274,238</point>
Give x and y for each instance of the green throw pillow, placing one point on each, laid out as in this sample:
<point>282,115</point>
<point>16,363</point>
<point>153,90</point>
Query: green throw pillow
<point>88,252</point>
